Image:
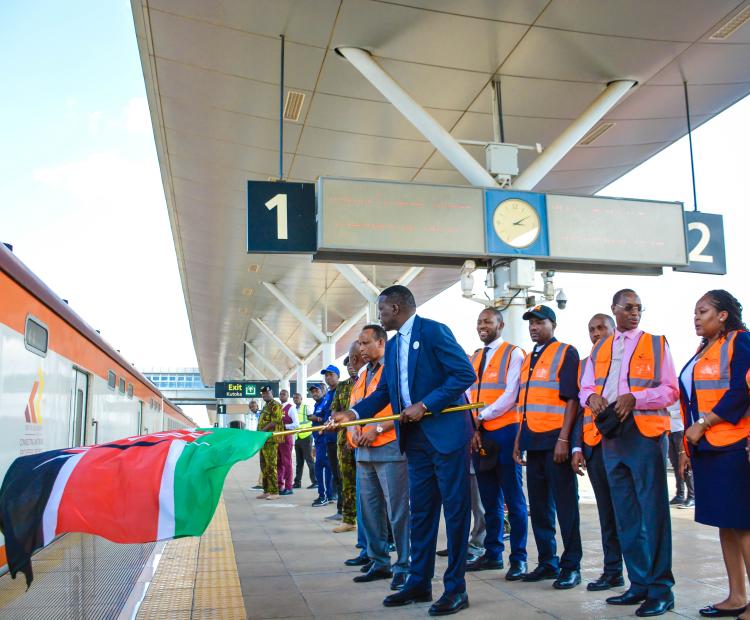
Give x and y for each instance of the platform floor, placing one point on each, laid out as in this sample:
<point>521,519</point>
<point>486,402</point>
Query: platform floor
<point>279,559</point>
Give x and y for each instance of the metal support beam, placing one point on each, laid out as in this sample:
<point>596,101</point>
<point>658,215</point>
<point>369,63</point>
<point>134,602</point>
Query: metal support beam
<point>348,324</point>
<point>282,345</point>
<point>275,372</point>
<point>360,282</point>
<point>302,379</point>
<point>252,368</point>
<point>312,354</point>
<point>329,353</point>
<point>433,131</point>
<point>409,275</point>
<point>561,145</point>
<point>318,333</point>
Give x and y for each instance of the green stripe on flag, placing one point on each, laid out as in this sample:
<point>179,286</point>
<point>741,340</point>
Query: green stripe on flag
<point>200,472</point>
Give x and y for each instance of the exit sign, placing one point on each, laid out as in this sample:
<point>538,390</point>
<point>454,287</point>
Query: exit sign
<point>243,389</point>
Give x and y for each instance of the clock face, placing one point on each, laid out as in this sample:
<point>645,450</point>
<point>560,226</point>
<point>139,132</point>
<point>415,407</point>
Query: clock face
<point>516,222</point>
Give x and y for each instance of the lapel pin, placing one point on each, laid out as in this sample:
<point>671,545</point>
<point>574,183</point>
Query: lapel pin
<point>415,346</point>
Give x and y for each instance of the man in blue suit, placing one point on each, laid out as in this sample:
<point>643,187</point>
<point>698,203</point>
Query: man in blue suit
<point>427,370</point>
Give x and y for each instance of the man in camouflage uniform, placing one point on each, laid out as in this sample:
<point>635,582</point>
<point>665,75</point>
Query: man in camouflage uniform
<point>347,463</point>
<point>271,419</point>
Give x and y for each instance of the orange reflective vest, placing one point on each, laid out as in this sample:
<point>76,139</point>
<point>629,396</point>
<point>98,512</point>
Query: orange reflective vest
<point>539,398</point>
<point>494,380</point>
<point>360,390</point>
<point>591,435</point>
<point>711,376</point>
<point>644,372</point>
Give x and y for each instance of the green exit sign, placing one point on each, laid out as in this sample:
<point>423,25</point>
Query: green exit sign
<point>243,389</point>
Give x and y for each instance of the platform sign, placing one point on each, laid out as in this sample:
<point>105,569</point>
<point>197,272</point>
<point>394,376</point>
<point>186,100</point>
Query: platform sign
<point>243,389</point>
<point>221,409</point>
<point>706,251</point>
<point>280,218</point>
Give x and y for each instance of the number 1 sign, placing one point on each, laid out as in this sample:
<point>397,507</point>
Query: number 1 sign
<point>705,236</point>
<point>281,218</point>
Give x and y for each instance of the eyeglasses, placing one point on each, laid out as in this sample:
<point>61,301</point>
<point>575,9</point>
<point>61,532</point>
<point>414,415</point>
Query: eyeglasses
<point>630,307</point>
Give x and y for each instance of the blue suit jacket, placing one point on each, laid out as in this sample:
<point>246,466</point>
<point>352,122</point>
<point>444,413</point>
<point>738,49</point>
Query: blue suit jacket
<point>439,375</point>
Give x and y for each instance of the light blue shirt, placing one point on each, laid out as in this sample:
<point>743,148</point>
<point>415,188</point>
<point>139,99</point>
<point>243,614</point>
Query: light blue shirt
<point>404,342</point>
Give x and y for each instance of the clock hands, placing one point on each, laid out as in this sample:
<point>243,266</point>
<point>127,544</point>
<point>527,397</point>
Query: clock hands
<point>518,223</point>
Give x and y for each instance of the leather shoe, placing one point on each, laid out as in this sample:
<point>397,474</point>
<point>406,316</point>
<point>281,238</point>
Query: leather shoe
<point>541,572</point>
<point>443,553</point>
<point>366,568</point>
<point>399,581</point>
<point>449,604</point>
<point>360,560</point>
<point>406,596</point>
<point>484,563</point>
<point>373,575</point>
<point>655,607</point>
<point>569,578</point>
<point>629,597</point>
<point>516,571</point>
<point>714,612</point>
<point>605,582</point>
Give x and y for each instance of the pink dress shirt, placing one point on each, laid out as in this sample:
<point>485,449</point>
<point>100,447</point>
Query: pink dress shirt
<point>651,398</point>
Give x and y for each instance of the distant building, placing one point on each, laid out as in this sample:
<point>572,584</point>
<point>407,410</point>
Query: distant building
<point>176,379</point>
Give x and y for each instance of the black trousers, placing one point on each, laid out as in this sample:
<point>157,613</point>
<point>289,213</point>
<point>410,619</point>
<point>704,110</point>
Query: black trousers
<point>598,477</point>
<point>303,454</point>
<point>333,461</point>
<point>675,446</point>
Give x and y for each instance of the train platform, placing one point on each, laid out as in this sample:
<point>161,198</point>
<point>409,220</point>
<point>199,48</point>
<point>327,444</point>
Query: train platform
<point>279,559</point>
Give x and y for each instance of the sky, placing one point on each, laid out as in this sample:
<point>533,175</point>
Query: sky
<point>82,203</point>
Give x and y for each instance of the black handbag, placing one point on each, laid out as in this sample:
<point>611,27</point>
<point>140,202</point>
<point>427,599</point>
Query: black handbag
<point>488,453</point>
<point>608,423</point>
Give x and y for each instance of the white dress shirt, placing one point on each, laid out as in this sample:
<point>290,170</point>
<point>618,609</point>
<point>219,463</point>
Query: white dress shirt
<point>404,342</point>
<point>507,402</point>
<point>292,413</point>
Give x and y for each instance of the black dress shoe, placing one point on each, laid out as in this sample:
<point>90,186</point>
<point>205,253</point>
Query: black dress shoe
<point>655,607</point>
<point>605,582</point>
<point>406,596</point>
<point>516,571</point>
<point>541,572</point>
<point>366,567</point>
<point>399,581</point>
<point>714,612</point>
<point>569,578</point>
<point>627,598</point>
<point>373,575</point>
<point>484,563</point>
<point>449,604</point>
<point>314,485</point>
<point>443,553</point>
<point>360,560</point>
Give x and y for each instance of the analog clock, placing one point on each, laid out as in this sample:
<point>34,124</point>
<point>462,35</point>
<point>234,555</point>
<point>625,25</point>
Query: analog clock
<point>516,222</point>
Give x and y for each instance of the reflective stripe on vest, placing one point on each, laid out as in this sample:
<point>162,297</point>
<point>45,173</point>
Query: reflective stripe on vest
<point>494,383</point>
<point>711,378</point>
<point>302,414</point>
<point>361,390</point>
<point>540,400</point>
<point>644,372</point>
<point>591,435</point>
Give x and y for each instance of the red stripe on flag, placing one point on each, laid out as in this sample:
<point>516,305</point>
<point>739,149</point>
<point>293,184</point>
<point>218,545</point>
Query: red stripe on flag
<point>115,493</point>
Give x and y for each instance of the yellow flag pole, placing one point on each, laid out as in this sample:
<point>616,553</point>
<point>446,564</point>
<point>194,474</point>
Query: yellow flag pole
<point>311,429</point>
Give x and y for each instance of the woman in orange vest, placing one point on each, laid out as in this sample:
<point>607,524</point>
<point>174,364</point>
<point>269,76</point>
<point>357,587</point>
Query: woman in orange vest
<point>716,410</point>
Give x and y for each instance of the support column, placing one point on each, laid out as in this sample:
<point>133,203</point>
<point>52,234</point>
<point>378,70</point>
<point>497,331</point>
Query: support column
<point>516,330</point>
<point>302,380</point>
<point>284,385</point>
<point>329,352</point>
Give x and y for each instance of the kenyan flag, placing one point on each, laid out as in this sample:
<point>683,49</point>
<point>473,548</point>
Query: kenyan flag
<point>135,490</point>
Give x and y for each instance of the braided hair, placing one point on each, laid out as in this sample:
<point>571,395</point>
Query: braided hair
<point>724,301</point>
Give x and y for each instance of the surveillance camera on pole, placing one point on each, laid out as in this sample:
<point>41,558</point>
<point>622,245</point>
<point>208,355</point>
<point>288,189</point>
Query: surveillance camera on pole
<point>562,300</point>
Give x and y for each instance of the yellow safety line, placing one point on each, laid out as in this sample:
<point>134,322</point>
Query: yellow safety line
<point>197,577</point>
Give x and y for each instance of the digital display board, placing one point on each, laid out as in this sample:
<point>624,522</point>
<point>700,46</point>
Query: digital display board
<point>616,230</point>
<point>387,217</point>
<point>243,389</point>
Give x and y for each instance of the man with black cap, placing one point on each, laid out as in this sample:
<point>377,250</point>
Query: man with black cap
<point>331,376</point>
<point>548,403</point>
<point>271,419</point>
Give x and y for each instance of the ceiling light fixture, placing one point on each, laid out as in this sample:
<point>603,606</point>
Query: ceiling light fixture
<point>596,133</point>
<point>731,25</point>
<point>293,105</point>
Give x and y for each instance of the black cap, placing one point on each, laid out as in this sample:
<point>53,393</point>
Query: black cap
<point>265,388</point>
<point>540,312</point>
<point>315,386</point>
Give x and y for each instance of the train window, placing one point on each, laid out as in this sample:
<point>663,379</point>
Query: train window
<point>122,385</point>
<point>130,390</point>
<point>111,380</point>
<point>36,336</point>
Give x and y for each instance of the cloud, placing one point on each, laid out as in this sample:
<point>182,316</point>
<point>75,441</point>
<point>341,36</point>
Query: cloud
<point>95,121</point>
<point>137,117</point>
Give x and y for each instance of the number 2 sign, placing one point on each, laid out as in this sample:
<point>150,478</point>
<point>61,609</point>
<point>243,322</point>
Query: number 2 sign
<point>281,218</point>
<point>705,241</point>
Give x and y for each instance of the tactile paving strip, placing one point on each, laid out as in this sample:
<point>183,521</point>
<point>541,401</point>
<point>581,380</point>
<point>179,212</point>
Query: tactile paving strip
<point>79,576</point>
<point>197,578</point>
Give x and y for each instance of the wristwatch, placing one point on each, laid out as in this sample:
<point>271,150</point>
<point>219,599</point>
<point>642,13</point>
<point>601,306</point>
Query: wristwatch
<point>379,429</point>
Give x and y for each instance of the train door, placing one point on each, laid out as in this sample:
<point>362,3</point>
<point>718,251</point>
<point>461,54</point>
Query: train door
<point>141,421</point>
<point>80,408</point>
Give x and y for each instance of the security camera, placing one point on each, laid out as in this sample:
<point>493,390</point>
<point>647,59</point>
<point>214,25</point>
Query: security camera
<point>562,300</point>
<point>467,279</point>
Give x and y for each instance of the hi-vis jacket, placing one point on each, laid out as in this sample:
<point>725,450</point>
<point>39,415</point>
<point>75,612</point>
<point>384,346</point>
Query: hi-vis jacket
<point>494,382</point>
<point>591,435</point>
<point>539,396</point>
<point>644,372</point>
<point>360,390</point>
<point>711,375</point>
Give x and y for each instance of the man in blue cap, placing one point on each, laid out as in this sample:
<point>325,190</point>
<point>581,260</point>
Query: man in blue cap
<point>331,375</point>
<point>323,474</point>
